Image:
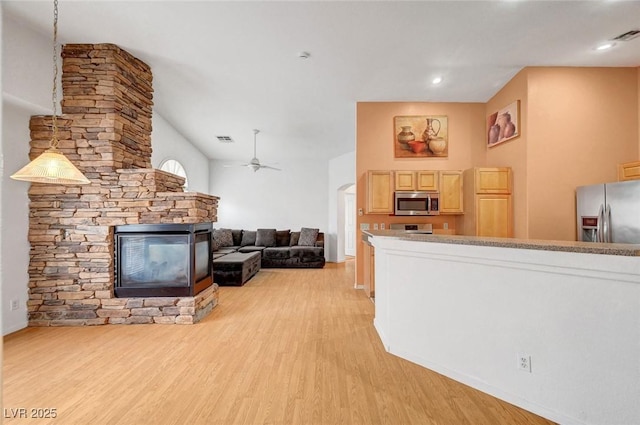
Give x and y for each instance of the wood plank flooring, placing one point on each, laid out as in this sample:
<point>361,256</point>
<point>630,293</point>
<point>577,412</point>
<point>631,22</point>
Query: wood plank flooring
<point>290,347</point>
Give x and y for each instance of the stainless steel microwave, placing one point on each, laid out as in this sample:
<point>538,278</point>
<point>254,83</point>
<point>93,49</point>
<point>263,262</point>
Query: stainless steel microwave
<point>417,203</point>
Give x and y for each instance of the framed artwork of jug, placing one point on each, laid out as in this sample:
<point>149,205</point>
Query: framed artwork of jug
<point>504,124</point>
<point>420,136</point>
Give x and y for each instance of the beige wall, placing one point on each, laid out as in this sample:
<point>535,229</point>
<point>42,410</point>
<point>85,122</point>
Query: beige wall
<point>582,122</point>
<point>514,152</point>
<point>374,150</point>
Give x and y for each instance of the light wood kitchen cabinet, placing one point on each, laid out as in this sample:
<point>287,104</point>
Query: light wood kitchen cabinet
<point>380,186</point>
<point>416,180</point>
<point>489,202</point>
<point>493,180</point>
<point>369,270</point>
<point>451,192</point>
<point>629,171</point>
<point>494,216</point>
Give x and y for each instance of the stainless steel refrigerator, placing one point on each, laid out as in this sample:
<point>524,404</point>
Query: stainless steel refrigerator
<point>609,212</point>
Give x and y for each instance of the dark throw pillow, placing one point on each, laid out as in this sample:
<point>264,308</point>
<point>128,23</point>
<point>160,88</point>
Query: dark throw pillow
<point>308,236</point>
<point>294,238</point>
<point>223,237</point>
<point>237,237</point>
<point>266,237</point>
<point>248,238</point>
<point>283,237</point>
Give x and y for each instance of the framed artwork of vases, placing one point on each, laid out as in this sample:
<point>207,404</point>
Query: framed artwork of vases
<point>504,124</point>
<point>420,136</point>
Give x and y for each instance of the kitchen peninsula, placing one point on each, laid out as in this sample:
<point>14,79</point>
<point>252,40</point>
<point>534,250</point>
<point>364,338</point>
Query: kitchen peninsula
<point>472,308</point>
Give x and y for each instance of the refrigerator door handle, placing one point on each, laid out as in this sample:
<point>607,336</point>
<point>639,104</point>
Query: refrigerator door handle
<point>607,224</point>
<point>600,226</point>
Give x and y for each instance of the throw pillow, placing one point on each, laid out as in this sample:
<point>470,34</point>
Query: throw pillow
<point>237,237</point>
<point>223,237</point>
<point>308,236</point>
<point>266,237</point>
<point>294,238</point>
<point>248,238</point>
<point>283,237</point>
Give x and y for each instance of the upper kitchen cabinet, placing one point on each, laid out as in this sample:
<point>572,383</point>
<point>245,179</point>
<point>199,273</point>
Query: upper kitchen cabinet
<point>380,185</point>
<point>451,192</point>
<point>629,171</point>
<point>493,180</point>
<point>416,180</point>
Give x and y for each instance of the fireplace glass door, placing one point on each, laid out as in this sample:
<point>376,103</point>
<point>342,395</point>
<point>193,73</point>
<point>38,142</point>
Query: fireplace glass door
<point>154,260</point>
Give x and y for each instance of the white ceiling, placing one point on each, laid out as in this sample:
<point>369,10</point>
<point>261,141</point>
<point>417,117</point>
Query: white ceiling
<point>225,68</point>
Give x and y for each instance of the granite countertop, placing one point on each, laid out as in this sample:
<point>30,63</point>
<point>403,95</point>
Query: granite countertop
<point>544,245</point>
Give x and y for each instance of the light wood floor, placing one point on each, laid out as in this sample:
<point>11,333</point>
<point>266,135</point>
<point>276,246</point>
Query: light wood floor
<point>290,347</point>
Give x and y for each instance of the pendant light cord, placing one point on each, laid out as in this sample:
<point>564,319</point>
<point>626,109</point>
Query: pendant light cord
<point>54,93</point>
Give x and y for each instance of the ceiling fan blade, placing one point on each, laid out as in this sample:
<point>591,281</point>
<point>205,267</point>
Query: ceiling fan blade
<point>270,168</point>
<point>235,165</point>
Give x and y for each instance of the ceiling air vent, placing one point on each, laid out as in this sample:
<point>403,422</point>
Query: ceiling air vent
<point>224,139</point>
<point>629,35</point>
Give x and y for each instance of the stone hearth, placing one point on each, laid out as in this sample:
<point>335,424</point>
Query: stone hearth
<point>105,129</point>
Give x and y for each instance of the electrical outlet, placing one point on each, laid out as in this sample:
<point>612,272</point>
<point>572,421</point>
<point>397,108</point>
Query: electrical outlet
<point>364,226</point>
<point>14,304</point>
<point>381,226</point>
<point>375,226</point>
<point>445,226</point>
<point>524,362</point>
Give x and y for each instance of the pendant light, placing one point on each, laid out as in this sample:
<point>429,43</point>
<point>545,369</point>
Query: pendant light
<point>52,166</point>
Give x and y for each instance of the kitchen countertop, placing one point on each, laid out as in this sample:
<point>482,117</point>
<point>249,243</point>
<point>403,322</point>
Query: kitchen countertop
<point>629,250</point>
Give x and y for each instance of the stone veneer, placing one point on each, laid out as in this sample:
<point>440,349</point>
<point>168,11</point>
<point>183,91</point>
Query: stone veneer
<point>105,130</point>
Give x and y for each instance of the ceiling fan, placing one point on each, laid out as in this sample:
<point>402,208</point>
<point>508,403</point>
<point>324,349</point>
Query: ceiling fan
<point>254,164</point>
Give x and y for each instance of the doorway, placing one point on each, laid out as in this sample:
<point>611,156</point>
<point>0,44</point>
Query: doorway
<point>350,221</point>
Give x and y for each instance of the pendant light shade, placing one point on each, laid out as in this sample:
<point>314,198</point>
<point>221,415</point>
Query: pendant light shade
<point>51,167</point>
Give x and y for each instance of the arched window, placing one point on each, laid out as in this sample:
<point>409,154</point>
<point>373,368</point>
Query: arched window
<point>174,167</point>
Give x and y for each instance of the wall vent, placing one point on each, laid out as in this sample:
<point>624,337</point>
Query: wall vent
<point>225,139</point>
<point>629,35</point>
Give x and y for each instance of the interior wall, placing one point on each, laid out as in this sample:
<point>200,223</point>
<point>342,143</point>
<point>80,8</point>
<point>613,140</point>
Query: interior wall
<point>15,210</point>
<point>167,143</point>
<point>292,198</point>
<point>582,122</point>
<point>342,172</point>
<point>26,91</point>
<point>374,151</point>
<point>512,153</point>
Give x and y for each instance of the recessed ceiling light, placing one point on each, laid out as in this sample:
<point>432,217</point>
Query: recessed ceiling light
<point>605,46</point>
<point>436,80</point>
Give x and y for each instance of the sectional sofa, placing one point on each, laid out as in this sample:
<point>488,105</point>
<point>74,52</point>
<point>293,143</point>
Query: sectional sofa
<point>239,254</point>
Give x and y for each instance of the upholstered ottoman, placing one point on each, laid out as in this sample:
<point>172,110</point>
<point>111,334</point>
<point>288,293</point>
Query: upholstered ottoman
<point>235,268</point>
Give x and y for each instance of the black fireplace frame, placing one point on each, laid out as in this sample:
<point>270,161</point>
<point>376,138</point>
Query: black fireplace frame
<point>148,290</point>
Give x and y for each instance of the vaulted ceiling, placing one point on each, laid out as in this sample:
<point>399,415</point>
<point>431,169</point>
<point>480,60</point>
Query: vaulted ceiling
<point>225,68</point>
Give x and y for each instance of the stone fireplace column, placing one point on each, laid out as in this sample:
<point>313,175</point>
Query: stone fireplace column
<point>105,130</point>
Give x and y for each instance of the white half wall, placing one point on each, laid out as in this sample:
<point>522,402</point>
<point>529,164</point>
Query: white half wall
<point>292,198</point>
<point>167,143</point>
<point>470,312</point>
<point>342,173</point>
